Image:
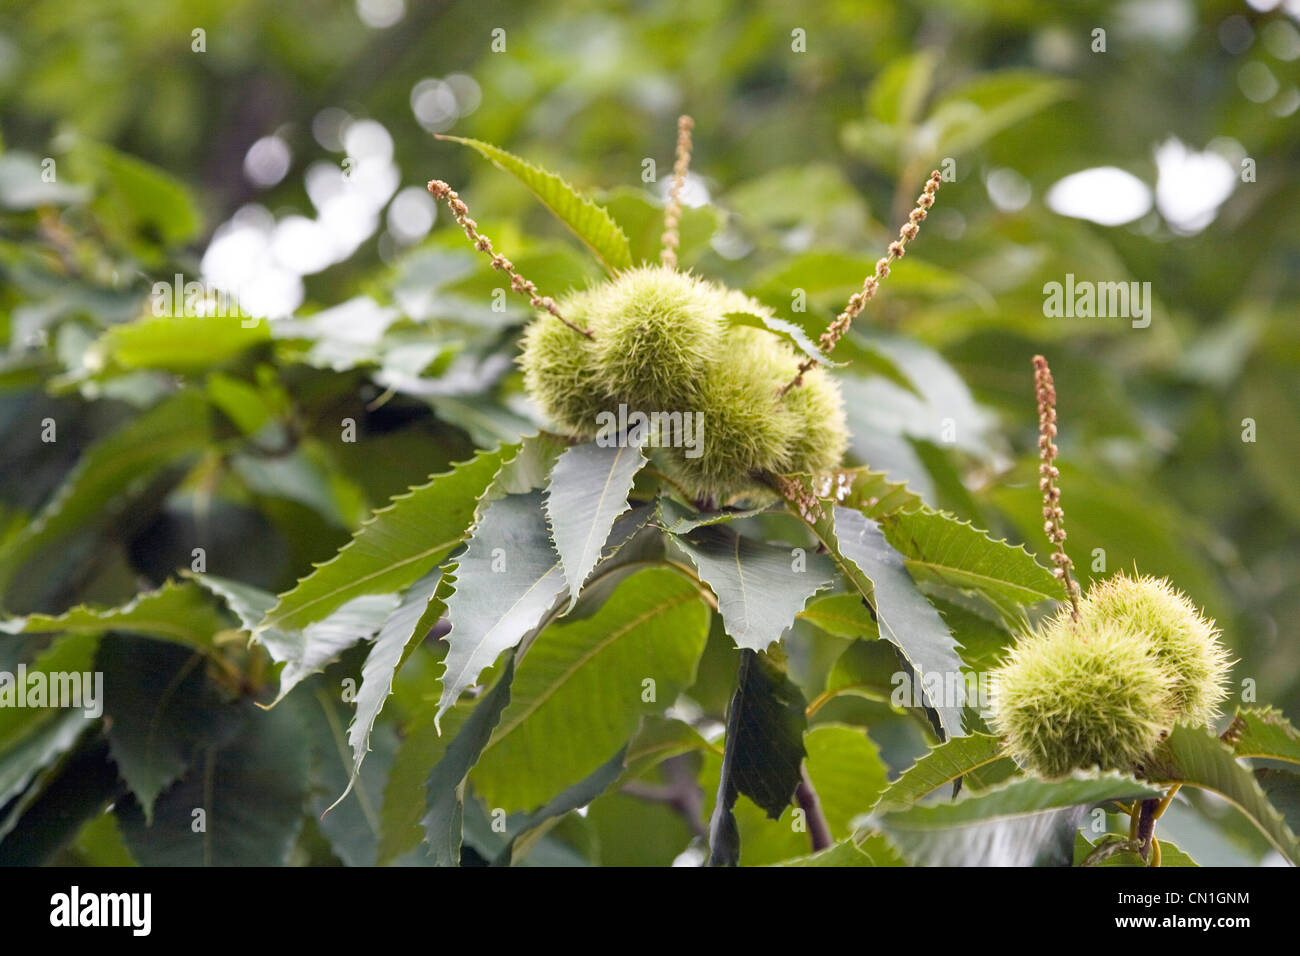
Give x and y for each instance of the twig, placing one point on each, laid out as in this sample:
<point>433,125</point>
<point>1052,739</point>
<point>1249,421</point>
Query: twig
<point>858,301</point>
<point>1053,515</point>
<point>521,285</point>
<point>672,216</point>
<point>819,831</point>
<point>682,794</point>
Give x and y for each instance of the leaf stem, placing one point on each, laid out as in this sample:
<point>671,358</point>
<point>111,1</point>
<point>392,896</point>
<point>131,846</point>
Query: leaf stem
<point>819,831</point>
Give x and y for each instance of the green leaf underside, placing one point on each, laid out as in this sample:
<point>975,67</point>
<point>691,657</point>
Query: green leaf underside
<point>1196,757</point>
<point>905,618</point>
<point>1022,822</point>
<point>506,580</point>
<point>580,689</point>
<point>944,764</point>
<point>758,586</point>
<point>401,627</point>
<point>444,819</point>
<point>588,221</point>
<point>586,494</point>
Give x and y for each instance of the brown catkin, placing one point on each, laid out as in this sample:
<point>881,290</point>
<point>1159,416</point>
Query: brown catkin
<point>483,244</point>
<point>858,301</point>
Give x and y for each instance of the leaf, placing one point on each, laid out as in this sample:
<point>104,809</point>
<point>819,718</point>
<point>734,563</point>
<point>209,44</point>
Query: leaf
<point>402,626</point>
<point>587,492</point>
<point>760,587</point>
<point>138,194</point>
<point>168,342</point>
<point>1264,732</point>
<point>398,545</point>
<point>948,763</point>
<point>579,688</point>
<point>444,820</point>
<point>1283,791</point>
<point>588,221</point>
<point>874,850</point>
<point>782,329</point>
<point>1197,758</point>
<point>506,581</point>
<point>161,711</point>
<point>251,790</point>
<point>177,611</point>
<point>846,771</point>
<point>843,615</point>
<point>864,490</point>
<point>764,748</point>
<point>905,618</point>
<point>1022,822</point>
<point>51,813</point>
<point>939,547</point>
<point>572,798</point>
<point>975,112</point>
<point>642,219</point>
<point>1170,855</point>
<point>323,641</point>
<point>352,826</point>
<point>28,756</point>
<point>113,469</point>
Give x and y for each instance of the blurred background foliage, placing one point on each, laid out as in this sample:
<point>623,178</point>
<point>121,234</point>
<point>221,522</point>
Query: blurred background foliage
<point>284,147</point>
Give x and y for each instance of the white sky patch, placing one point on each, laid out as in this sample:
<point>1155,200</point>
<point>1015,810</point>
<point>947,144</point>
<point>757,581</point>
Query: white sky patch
<point>381,14</point>
<point>1106,195</point>
<point>694,192</point>
<point>1008,190</point>
<point>1191,186</point>
<point>267,161</point>
<point>411,215</point>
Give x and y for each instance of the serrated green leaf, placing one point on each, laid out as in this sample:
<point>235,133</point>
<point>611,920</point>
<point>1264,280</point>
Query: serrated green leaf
<point>588,221</point>
<point>1023,822</point>
<point>398,545</point>
<point>444,819</point>
<point>843,615</point>
<point>760,587</point>
<point>161,711</point>
<point>251,788</point>
<point>845,767</point>
<point>1195,757</point>
<point>939,547</point>
<point>579,690</point>
<point>948,763</point>
<point>177,611</point>
<point>1264,732</point>
<point>351,825</point>
<point>788,331</point>
<point>586,494</point>
<point>507,579</point>
<point>401,627</point>
<point>904,617</point>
